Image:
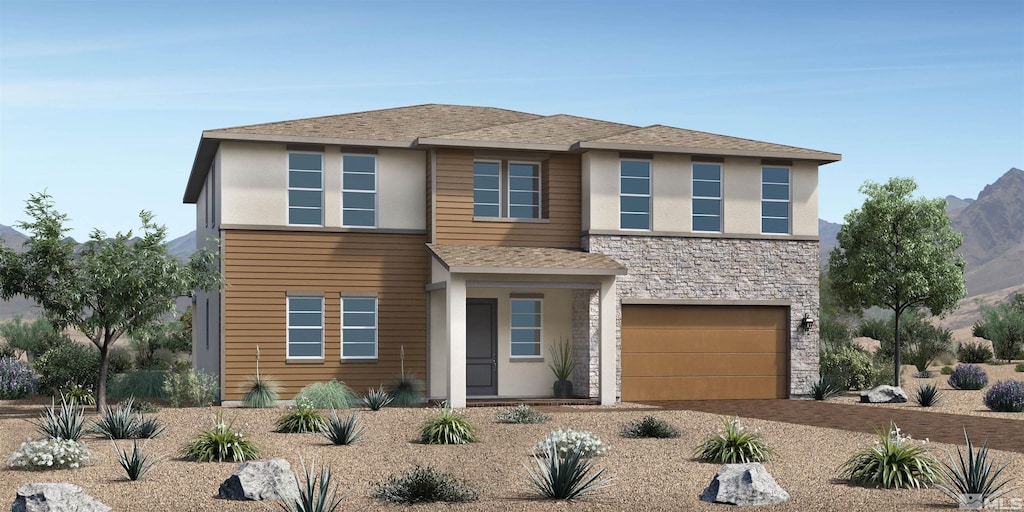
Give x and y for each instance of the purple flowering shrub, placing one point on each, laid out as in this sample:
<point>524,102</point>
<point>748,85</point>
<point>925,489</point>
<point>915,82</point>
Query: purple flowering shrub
<point>968,376</point>
<point>1006,396</point>
<point>16,379</point>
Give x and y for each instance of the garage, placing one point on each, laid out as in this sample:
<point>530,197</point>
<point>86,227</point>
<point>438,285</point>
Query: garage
<point>673,352</point>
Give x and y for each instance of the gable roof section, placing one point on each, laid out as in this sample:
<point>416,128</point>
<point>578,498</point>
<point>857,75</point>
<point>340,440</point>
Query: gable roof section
<point>477,259</point>
<point>551,133</point>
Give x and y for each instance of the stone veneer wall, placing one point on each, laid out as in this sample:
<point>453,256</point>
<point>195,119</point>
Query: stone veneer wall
<point>714,269</point>
<point>586,323</point>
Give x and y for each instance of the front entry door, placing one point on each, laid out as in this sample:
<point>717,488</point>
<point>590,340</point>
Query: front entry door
<point>481,347</point>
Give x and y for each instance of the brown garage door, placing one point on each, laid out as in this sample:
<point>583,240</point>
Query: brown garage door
<point>703,352</point>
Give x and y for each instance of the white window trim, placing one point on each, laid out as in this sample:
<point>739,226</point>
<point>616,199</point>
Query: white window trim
<point>539,329</point>
<point>721,192</point>
<point>376,195</point>
<point>505,187</point>
<point>788,200</point>
<point>649,195</point>
<point>288,206</point>
<point>501,210</point>
<point>376,331</point>
<point>289,327</point>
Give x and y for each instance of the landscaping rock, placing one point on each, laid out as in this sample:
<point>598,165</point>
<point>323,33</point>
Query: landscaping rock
<point>261,480</point>
<point>883,395</point>
<point>48,497</point>
<point>744,484</point>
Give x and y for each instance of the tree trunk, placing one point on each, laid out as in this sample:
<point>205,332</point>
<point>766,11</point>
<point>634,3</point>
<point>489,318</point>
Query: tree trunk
<point>101,384</point>
<point>897,336</point>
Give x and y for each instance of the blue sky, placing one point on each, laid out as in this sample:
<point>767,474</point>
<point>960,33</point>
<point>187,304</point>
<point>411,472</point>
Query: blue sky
<point>102,103</point>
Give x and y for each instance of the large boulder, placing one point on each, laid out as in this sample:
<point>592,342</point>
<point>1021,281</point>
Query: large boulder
<point>744,484</point>
<point>883,395</point>
<point>261,480</point>
<point>48,497</point>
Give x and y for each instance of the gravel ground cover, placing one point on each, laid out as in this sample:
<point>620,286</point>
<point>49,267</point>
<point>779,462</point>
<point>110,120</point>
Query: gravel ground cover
<point>649,474</point>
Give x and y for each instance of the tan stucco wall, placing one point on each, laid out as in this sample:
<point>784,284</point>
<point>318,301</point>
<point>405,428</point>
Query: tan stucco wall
<point>437,345</point>
<point>804,191</point>
<point>402,189</point>
<point>670,202</point>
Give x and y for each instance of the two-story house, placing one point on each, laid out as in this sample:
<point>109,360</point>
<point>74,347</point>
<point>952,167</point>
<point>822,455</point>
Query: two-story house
<point>680,264</point>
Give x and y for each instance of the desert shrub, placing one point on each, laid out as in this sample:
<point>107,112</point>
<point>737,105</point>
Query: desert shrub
<point>946,370</point>
<point>521,413</point>
<point>406,389</point>
<point>1004,326</point>
<point>140,383</point>
<point>826,388</point>
<point>968,376</point>
<point>301,418</point>
<point>315,494</point>
<point>377,399</point>
<point>333,394</point>
<point>927,395</point>
<point>50,454</point>
<point>921,341</point>
<point>220,443</point>
<point>894,461</point>
<point>565,475</point>
<point>157,345</point>
<point>447,427</point>
<point>847,366</point>
<point>973,353</point>
<point>734,445</point>
<point>834,332</point>
<point>191,388</point>
<point>1005,396</point>
<point>883,371</point>
<point>17,380</point>
<point>135,464</point>
<point>564,441</point>
<point>649,426</point>
<point>342,431</point>
<point>119,360</point>
<point>62,423</point>
<point>975,476</point>
<point>1019,368</point>
<point>118,422</point>
<point>33,338</point>
<point>73,364</point>
<point>260,392</point>
<point>424,484</point>
<point>7,351</point>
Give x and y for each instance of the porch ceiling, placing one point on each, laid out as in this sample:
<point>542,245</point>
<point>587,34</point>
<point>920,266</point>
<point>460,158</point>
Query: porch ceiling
<point>477,259</point>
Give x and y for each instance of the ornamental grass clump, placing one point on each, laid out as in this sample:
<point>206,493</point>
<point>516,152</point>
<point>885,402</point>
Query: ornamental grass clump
<point>424,484</point>
<point>968,376</point>
<point>564,441</point>
<point>333,394</point>
<point>220,443</point>
<point>521,413</point>
<point>1005,396</point>
<point>406,388</point>
<point>649,426</point>
<point>260,391</point>
<point>301,418</point>
<point>49,454</point>
<point>342,431</point>
<point>734,445</point>
<point>377,399</point>
<point>16,379</point>
<point>63,423</point>
<point>975,480</point>
<point>972,352</point>
<point>565,474</point>
<point>927,395</point>
<point>447,427</point>
<point>895,461</point>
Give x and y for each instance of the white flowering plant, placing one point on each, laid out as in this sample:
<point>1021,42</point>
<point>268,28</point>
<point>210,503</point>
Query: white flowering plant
<point>563,441</point>
<point>895,460</point>
<point>49,454</point>
<point>734,444</point>
<point>221,443</point>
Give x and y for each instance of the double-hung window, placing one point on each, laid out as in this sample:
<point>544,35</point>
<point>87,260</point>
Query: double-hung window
<point>359,191</point>
<point>707,197</point>
<point>358,327</point>
<point>526,327</point>
<point>305,328</point>
<point>775,200</point>
<point>306,188</point>
<point>503,188</point>
<point>635,194</point>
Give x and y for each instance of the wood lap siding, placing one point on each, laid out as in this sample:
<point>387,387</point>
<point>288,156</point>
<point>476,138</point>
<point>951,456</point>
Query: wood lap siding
<point>262,267</point>
<point>560,196</point>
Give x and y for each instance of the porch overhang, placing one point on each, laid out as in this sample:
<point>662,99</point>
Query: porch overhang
<point>476,259</point>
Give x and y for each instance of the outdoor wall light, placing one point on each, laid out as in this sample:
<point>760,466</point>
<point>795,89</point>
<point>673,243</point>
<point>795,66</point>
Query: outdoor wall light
<point>806,322</point>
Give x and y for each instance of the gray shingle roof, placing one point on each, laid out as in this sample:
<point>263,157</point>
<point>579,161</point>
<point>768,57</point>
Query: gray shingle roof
<point>556,130</point>
<point>668,136</point>
<point>523,260</point>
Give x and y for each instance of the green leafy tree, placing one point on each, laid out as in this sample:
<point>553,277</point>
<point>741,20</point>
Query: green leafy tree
<point>1003,325</point>
<point>836,320</point>
<point>32,338</point>
<point>110,287</point>
<point>898,252</point>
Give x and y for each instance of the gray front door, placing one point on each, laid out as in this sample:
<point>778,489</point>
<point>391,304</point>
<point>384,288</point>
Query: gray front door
<point>481,347</point>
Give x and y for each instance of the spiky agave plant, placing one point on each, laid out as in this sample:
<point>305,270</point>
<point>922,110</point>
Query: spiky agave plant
<point>377,399</point>
<point>135,464</point>
<point>342,431</point>
<point>975,478</point>
<point>565,474</point>
<point>315,494</point>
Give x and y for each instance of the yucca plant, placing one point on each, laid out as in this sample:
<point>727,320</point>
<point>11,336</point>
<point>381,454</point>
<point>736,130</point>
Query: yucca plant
<point>406,389</point>
<point>447,427</point>
<point>260,391</point>
<point>565,474</point>
<point>894,461</point>
<point>342,431</point>
<point>118,422</point>
<point>826,388</point>
<point>734,445</point>
<point>927,395</point>
<point>221,443</point>
<point>315,494</point>
<point>974,480</point>
<point>301,418</point>
<point>377,399</point>
<point>424,484</point>
<point>649,426</point>
<point>136,463</point>
<point>63,423</point>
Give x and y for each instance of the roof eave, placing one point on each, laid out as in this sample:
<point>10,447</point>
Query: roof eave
<point>205,152</point>
<point>538,271</point>
<point>519,146</point>
<point>823,157</point>
<point>300,139</point>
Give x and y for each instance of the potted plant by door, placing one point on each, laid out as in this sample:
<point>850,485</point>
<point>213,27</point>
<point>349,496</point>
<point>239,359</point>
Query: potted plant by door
<point>563,362</point>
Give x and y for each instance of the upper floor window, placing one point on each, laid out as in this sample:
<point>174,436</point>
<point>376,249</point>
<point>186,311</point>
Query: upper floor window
<point>305,188</point>
<point>775,200</point>
<point>359,327</point>
<point>359,190</point>
<point>707,197</point>
<point>503,188</point>
<point>526,327</point>
<point>305,338</point>
<point>635,194</point>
